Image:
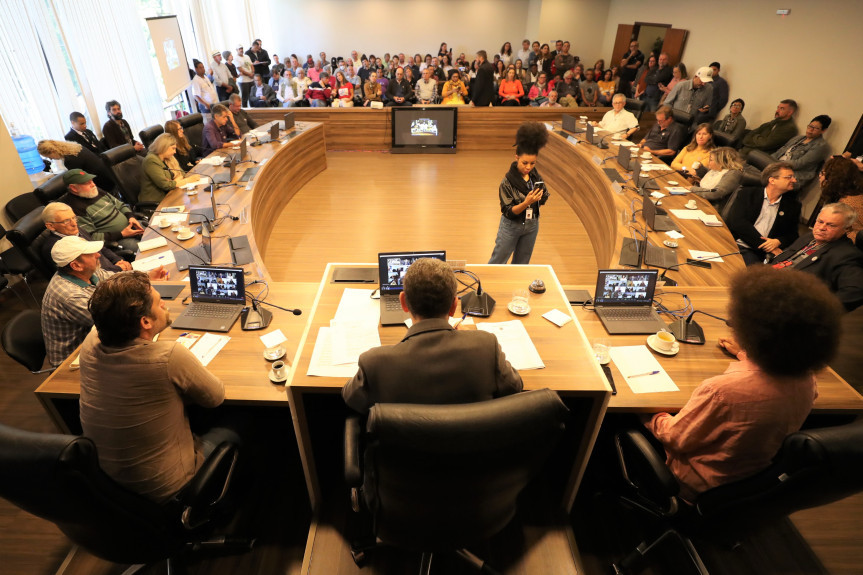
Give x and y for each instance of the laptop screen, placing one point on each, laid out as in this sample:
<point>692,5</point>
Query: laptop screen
<point>392,267</point>
<point>623,157</point>
<point>217,285</point>
<point>624,287</point>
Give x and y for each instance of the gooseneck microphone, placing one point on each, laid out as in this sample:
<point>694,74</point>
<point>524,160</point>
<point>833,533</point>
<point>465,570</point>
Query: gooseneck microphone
<point>602,145</point>
<point>671,282</point>
<point>688,331</point>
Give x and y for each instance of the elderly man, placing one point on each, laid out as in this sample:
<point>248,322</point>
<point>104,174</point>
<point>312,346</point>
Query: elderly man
<point>694,96</point>
<point>100,214</point>
<point>261,96</point>
<point>239,120</point>
<point>426,88</point>
<point>221,77</point>
<point>552,101</point>
<point>617,119</point>
<point>140,426</point>
<point>217,133</point>
<point>827,253</point>
<point>79,134</point>
<point>289,94</point>
<point>763,219</point>
<point>666,137</point>
<point>399,91</point>
<point>65,317</point>
<point>62,222</point>
<point>567,91</point>
<point>770,136</point>
<point>433,363</point>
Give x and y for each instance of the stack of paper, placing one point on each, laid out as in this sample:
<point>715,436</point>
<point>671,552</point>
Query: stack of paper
<point>687,214</point>
<point>711,220</point>
<point>152,244</point>
<point>213,160</point>
<point>352,331</point>
<point>153,262</point>
<point>208,346</point>
<point>700,255</point>
<point>677,190</point>
<point>159,219</point>
<point>515,343</point>
<point>640,369</point>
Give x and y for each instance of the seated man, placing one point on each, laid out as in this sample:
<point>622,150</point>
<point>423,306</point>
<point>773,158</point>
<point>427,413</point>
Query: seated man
<point>618,120</point>
<point>79,134</point>
<point>239,120</point>
<point>434,363</point>
<point>734,423</point>
<point>65,317</point>
<point>552,101</point>
<point>694,96</point>
<point>426,88</point>
<point>763,220</point>
<point>399,92</point>
<point>827,253</point>
<point>769,136</point>
<point>100,214</point>
<point>806,153</point>
<point>62,222</point>
<point>139,424</point>
<point>218,134</point>
<point>589,89</point>
<point>666,137</point>
<point>320,91</point>
<point>567,91</point>
<point>117,130</point>
<point>261,95</point>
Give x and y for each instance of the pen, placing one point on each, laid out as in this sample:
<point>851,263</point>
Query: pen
<point>458,323</point>
<point>654,372</point>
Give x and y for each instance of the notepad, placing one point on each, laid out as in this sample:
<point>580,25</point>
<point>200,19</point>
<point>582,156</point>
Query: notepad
<point>515,343</point>
<point>636,360</point>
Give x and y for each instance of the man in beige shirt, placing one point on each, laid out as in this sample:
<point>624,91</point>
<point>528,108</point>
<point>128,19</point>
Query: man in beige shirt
<point>134,391</point>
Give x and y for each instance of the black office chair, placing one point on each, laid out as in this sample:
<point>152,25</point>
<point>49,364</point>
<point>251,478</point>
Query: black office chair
<point>758,160</point>
<point>812,468</point>
<point>51,190</point>
<point>28,234</point>
<point>722,139</point>
<point>22,340</point>
<point>858,241</point>
<point>149,134</point>
<point>14,262</point>
<point>126,165</point>
<point>635,106</point>
<point>193,129</point>
<point>21,205</point>
<point>58,478</point>
<point>685,119</point>
<point>443,477</point>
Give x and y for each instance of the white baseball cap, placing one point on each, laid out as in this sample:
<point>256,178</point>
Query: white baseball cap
<point>67,249</point>
<point>705,74</point>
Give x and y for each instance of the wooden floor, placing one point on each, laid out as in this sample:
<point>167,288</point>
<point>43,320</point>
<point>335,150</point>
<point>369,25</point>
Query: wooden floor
<point>370,202</point>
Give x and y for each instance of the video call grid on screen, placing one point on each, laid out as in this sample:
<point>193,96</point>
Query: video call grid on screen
<point>218,283</point>
<point>615,287</point>
<point>424,127</point>
<point>397,264</point>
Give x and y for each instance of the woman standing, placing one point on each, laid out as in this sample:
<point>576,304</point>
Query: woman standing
<point>678,73</point>
<point>506,53</point>
<point>521,194</point>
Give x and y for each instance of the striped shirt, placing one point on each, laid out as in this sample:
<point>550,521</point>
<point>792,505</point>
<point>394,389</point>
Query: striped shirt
<point>103,217</point>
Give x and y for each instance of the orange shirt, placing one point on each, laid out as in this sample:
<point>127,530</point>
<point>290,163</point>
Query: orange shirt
<point>510,88</point>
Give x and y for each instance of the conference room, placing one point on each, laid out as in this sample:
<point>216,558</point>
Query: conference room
<point>328,196</point>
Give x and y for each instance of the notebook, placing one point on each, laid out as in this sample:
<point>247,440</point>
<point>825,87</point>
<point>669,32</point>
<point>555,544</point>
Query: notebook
<point>218,297</point>
<point>623,301</point>
<point>391,271</point>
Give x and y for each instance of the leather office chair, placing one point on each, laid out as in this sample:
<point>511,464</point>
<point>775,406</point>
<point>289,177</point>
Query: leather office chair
<point>685,119</point>
<point>442,477</point>
<point>722,139</point>
<point>14,262</point>
<point>149,134</point>
<point>51,190</point>
<point>758,160</point>
<point>58,478</point>
<point>22,340</point>
<point>126,165</point>
<point>28,234</point>
<point>193,129</point>
<point>21,205</point>
<point>635,106</point>
<point>812,468</point>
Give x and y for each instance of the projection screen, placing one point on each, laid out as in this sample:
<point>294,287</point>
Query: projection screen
<point>168,42</point>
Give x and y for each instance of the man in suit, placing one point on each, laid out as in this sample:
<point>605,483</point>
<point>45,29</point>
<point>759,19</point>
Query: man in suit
<point>79,134</point>
<point>261,95</point>
<point>764,220</point>
<point>434,363</point>
<point>483,92</point>
<point>827,252</point>
<point>117,131</point>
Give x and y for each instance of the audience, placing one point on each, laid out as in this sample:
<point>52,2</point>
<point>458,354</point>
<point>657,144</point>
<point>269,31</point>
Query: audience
<point>246,74</point>
<point>344,92</point>
<point>539,91</point>
<point>769,136</point>
<point>551,102</point>
<point>203,91</point>
<point>399,91</point>
<point>696,154</point>
<point>567,90</point>
<point>261,95</point>
<point>116,130</point>
<point>454,90</point>
<point>733,124</point>
<point>511,90</point>
<point>426,88</point>
<point>720,90</point>
<point>678,74</point>
<point>841,181</point>
<point>589,90</point>
<point>629,65</point>
<point>372,90</point>
<point>806,153</point>
<point>694,96</point>
<point>482,89</point>
<point>79,134</point>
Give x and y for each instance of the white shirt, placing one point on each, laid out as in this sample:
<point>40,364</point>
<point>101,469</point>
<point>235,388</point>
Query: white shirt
<point>524,56</point>
<point>204,89</point>
<point>244,63</point>
<point>614,122</point>
<point>221,74</point>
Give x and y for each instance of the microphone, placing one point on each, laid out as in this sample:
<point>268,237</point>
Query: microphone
<point>671,282</point>
<point>257,141</point>
<point>293,311</point>
<point>641,186</point>
<point>477,303</point>
<point>688,331</point>
<point>196,256</point>
<point>602,145</point>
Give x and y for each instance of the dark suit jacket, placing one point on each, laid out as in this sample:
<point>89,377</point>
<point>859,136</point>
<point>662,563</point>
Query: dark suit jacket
<point>407,91</point>
<point>433,364</point>
<point>95,146</point>
<point>114,135</point>
<point>482,91</point>
<point>746,209</point>
<point>839,264</point>
<point>266,91</point>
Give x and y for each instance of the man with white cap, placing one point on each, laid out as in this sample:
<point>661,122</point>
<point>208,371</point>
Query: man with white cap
<point>65,317</point>
<point>247,74</point>
<point>221,76</point>
<point>694,96</point>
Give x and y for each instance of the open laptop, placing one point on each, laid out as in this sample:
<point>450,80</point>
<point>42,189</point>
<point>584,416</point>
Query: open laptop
<point>204,215</point>
<point>391,271</point>
<point>200,255</point>
<point>218,297</point>
<point>656,218</point>
<point>288,121</point>
<point>623,301</point>
<point>570,124</point>
<point>591,136</point>
<point>232,165</point>
<point>624,157</point>
<point>642,181</point>
<point>633,252</point>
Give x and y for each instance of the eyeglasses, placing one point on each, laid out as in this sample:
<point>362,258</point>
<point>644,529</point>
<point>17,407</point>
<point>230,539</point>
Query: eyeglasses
<point>66,221</point>
<point>811,127</point>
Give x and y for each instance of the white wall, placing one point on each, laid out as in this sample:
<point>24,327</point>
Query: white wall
<point>582,22</point>
<point>812,55</point>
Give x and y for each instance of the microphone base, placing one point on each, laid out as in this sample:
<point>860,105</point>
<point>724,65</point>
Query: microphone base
<point>687,332</point>
<point>668,281</point>
<point>252,320</point>
<point>477,305</point>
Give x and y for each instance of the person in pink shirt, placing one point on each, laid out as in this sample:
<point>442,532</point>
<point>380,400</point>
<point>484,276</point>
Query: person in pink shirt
<point>786,325</point>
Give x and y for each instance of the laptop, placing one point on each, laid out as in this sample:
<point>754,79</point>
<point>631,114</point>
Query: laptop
<point>391,271</point>
<point>244,151</point>
<point>200,255</point>
<point>218,297</point>
<point>624,157</point>
<point>232,164</point>
<point>592,137</point>
<point>642,181</point>
<point>204,215</point>
<point>274,132</point>
<point>288,122</point>
<point>656,218</point>
<point>623,301</point>
<point>570,124</point>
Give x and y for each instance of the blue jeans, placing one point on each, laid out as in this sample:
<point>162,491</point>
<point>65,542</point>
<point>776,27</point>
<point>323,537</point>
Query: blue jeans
<point>516,239</point>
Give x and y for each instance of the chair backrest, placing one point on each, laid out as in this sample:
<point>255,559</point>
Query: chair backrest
<point>28,234</point>
<point>125,164</point>
<point>150,134</point>
<point>444,476</point>
<point>723,139</point>
<point>51,190</point>
<point>21,205</point>
<point>634,106</point>
<point>858,241</point>
<point>193,129</point>
<point>813,467</point>
<point>759,159</point>
<point>58,478</point>
<point>685,119</point>
<point>22,339</point>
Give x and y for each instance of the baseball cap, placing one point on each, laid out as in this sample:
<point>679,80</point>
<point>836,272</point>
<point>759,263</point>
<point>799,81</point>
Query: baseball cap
<point>68,249</point>
<point>705,74</point>
<point>239,46</point>
<point>216,53</point>
<point>77,177</point>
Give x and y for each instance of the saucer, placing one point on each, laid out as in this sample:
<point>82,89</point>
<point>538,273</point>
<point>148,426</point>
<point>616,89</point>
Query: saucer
<point>186,236</point>
<point>695,207</point>
<point>511,308</point>
<point>274,354</point>
<point>276,380</point>
<point>645,155</point>
<point>672,183</point>
<point>165,224</point>
<point>192,193</point>
<point>674,348</point>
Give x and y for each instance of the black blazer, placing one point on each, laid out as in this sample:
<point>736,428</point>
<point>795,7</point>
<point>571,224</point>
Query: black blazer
<point>483,92</point>
<point>93,164</point>
<point>839,264</point>
<point>746,208</point>
<point>94,146</point>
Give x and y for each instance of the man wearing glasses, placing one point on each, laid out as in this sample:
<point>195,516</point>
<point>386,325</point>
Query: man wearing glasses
<point>61,222</point>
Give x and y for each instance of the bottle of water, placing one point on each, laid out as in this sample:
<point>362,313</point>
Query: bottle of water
<point>26,147</point>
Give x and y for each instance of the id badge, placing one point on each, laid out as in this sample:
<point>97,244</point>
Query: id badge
<point>528,214</point>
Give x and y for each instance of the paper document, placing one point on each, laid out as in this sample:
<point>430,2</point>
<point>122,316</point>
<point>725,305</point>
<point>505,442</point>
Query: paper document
<point>677,190</point>
<point>657,195</point>
<point>273,338</point>
<point>650,167</point>
<point>640,369</point>
<point>674,234</point>
<point>357,305</point>
<point>687,214</point>
<point>209,346</point>
<point>159,219</point>
<point>152,262</point>
<point>709,256</point>
<point>515,343</point>
<point>557,317</point>
<point>152,244</point>
<point>711,220</point>
<point>321,364</point>
<point>213,161</point>
<point>352,338</point>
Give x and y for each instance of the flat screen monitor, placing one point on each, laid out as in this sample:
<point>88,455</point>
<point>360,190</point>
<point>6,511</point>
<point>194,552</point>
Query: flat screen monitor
<point>421,130</point>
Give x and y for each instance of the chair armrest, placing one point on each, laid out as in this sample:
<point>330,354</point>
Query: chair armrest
<point>353,465</point>
<point>644,469</point>
<point>759,159</point>
<point>209,485</point>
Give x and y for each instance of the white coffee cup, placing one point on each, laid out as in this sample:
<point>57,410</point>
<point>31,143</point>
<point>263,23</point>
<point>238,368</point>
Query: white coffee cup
<point>691,204</point>
<point>279,370</point>
<point>663,340</point>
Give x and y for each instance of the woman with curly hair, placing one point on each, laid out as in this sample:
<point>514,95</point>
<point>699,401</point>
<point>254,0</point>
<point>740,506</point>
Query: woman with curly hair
<point>521,194</point>
<point>842,182</point>
<point>76,157</point>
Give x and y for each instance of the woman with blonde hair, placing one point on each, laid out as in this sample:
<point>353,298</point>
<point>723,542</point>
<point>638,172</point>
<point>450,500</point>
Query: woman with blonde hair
<point>695,155</point>
<point>74,156</point>
<point>160,172</point>
<point>186,156</point>
<point>723,178</point>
